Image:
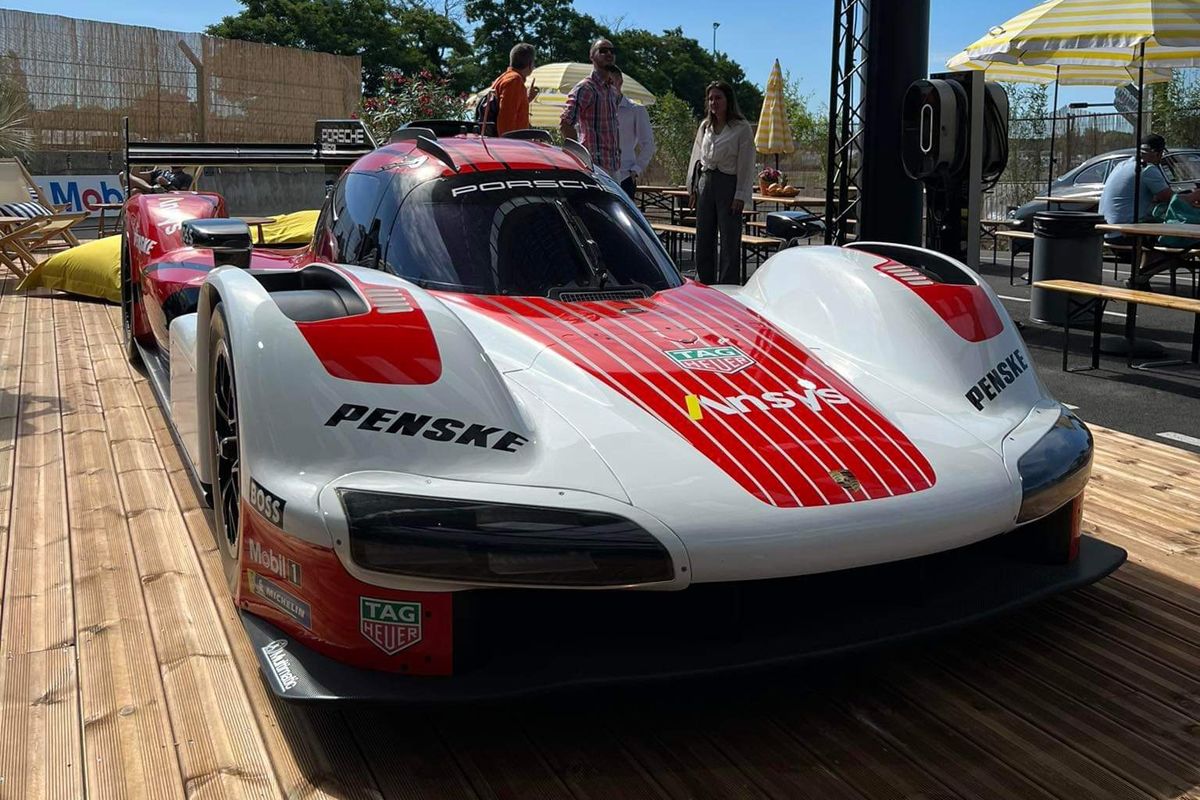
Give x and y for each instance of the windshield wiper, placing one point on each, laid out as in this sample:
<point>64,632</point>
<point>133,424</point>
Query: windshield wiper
<point>587,246</point>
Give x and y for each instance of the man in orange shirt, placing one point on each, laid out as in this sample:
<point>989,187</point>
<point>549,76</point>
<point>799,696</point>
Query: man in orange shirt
<point>511,93</point>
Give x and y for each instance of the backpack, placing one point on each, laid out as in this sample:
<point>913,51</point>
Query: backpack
<point>486,111</point>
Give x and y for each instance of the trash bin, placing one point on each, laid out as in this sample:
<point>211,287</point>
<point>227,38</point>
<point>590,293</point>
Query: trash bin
<point>1066,246</point>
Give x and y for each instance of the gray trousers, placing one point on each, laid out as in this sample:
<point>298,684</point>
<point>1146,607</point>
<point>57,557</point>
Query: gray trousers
<point>713,214</point>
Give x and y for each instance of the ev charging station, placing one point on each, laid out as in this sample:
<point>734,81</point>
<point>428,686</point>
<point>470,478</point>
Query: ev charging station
<point>954,140</point>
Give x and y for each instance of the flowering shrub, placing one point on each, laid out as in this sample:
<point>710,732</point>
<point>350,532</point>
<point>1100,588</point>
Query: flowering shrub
<point>771,175</point>
<point>403,99</point>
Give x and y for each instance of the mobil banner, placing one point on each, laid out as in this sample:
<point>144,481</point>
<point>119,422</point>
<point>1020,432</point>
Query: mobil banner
<point>81,192</point>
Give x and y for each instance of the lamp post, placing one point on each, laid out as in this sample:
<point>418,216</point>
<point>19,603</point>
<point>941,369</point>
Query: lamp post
<point>715,26</point>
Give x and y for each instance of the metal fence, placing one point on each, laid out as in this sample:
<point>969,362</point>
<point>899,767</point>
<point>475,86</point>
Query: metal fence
<point>79,78</point>
<point>1077,137</point>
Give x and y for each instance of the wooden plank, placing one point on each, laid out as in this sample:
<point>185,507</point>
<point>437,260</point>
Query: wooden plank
<point>497,758</point>
<point>741,730</point>
<point>221,753</point>
<point>1119,293</point>
<point>1154,583</point>
<point>1150,744</point>
<point>587,757</point>
<point>311,751</point>
<point>670,750</point>
<point>852,748</point>
<point>408,757</point>
<point>12,340</point>
<point>904,727</point>
<point>1041,756</point>
<point>127,738</point>
<point>40,751</point>
<point>1122,662</point>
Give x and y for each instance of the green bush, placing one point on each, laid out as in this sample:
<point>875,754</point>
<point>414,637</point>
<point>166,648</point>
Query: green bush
<point>674,131</point>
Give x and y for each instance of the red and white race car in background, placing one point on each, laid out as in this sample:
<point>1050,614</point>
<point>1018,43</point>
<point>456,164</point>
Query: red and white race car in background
<point>481,437</point>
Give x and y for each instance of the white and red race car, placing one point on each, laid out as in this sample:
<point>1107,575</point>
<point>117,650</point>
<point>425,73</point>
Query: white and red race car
<point>481,437</point>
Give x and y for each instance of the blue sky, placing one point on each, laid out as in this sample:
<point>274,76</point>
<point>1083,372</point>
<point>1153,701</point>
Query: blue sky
<point>753,32</point>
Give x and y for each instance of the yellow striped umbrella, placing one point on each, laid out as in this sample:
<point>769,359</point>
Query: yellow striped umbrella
<point>1060,75</point>
<point>774,134</point>
<point>561,77</point>
<point>1097,33</point>
<point>1065,75</point>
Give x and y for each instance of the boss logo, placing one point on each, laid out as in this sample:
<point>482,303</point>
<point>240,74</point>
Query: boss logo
<point>266,504</point>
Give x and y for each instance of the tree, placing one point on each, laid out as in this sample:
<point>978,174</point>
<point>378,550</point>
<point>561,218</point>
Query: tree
<point>559,32</point>
<point>666,62</point>
<point>810,128</point>
<point>16,138</point>
<point>672,62</point>
<point>674,131</point>
<point>1176,108</point>
<point>388,36</point>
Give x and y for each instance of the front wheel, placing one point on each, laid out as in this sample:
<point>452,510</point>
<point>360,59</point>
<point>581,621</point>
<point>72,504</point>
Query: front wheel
<point>226,443</point>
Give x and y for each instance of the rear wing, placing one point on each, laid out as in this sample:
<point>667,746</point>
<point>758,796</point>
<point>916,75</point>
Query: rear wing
<point>336,143</point>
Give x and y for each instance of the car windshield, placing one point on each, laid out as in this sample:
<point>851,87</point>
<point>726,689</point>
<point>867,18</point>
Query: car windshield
<point>524,234</point>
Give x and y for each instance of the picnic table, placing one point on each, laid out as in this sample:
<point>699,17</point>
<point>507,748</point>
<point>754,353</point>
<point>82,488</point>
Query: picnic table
<point>655,196</point>
<point>1139,231</point>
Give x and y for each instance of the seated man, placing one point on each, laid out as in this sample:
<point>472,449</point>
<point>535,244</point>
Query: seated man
<point>1116,201</point>
<point>172,179</point>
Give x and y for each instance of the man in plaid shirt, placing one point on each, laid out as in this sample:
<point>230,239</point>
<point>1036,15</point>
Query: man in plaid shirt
<point>591,112</point>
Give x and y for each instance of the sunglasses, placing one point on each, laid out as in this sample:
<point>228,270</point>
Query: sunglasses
<point>606,50</point>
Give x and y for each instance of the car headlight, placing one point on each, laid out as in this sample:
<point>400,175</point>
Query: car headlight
<point>463,540</point>
<point>1056,468</point>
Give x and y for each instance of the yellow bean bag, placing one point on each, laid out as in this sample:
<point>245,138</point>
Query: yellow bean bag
<point>92,269</point>
<point>295,229</point>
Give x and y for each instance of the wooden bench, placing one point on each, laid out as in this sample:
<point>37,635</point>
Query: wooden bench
<point>1096,297</point>
<point>758,246</point>
<point>1011,236</point>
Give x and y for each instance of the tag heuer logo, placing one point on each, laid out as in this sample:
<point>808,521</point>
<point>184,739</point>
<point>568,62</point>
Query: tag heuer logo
<point>845,479</point>
<point>711,359</point>
<point>390,625</point>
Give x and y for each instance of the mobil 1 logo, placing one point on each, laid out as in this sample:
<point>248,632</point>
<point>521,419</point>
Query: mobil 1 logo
<point>266,503</point>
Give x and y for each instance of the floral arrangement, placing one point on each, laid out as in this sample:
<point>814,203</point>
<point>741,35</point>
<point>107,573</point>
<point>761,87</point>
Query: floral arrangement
<point>404,98</point>
<point>771,175</point>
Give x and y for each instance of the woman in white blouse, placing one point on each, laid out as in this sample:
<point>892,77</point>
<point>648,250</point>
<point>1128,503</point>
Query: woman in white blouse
<point>723,155</point>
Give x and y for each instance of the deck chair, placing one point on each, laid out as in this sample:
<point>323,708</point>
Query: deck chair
<point>13,253</point>
<point>20,197</point>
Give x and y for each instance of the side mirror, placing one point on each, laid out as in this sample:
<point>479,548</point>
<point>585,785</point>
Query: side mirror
<point>229,239</point>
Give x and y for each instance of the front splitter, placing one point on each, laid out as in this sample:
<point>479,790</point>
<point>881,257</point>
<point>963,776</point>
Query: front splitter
<point>533,642</point>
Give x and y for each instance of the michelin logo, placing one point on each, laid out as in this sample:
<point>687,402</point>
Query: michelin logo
<point>281,599</point>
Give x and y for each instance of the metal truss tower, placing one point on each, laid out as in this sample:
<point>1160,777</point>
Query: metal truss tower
<point>844,157</point>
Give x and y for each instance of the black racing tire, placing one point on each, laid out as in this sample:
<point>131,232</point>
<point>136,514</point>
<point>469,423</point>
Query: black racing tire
<point>129,344</point>
<point>226,444</point>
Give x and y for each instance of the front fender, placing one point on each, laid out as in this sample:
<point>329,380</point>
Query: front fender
<point>889,329</point>
<point>302,422</point>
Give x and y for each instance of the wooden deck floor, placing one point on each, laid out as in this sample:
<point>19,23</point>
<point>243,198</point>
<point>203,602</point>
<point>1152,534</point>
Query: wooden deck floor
<point>125,672</point>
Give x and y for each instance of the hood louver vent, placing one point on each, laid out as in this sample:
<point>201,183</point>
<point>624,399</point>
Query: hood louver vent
<point>589,295</point>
